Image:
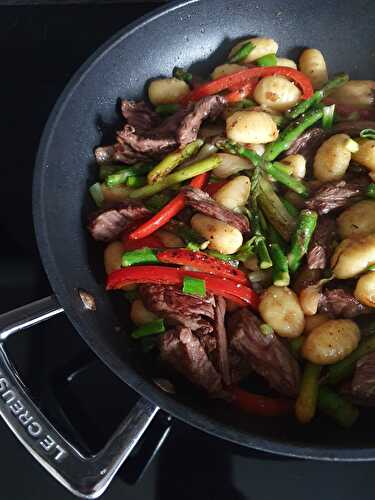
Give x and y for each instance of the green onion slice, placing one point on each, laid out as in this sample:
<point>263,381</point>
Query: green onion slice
<point>151,328</point>
<point>194,286</point>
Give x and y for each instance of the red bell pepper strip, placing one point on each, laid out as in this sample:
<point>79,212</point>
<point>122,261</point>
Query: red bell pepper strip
<point>241,91</point>
<point>243,77</point>
<point>150,242</point>
<point>213,187</point>
<point>201,262</point>
<point>263,406</point>
<point>167,213</point>
<point>228,289</point>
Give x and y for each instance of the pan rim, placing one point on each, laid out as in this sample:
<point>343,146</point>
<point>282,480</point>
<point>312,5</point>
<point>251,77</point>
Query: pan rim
<point>124,372</point>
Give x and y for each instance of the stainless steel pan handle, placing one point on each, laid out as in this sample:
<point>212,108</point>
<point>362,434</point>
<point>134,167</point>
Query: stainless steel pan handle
<point>84,476</point>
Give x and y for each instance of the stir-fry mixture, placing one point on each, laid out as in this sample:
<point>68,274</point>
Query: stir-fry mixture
<point>238,213</point>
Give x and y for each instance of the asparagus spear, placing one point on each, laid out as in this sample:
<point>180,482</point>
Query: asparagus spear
<point>274,210</point>
<point>182,74</point>
<point>291,133</point>
<point>122,175</point>
<point>257,218</point>
<point>317,96</point>
<point>280,271</point>
<point>172,160</point>
<point>307,400</point>
<point>335,406</point>
<point>242,53</point>
<point>277,170</point>
<point>301,238</point>
<point>292,210</point>
<point>344,369</point>
<point>295,346</point>
<point>371,190</point>
<point>181,175</point>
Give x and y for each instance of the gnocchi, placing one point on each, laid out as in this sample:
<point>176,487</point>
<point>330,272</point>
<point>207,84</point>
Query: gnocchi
<point>352,257</point>
<point>331,341</point>
<point>262,47</point>
<point>276,93</point>
<point>312,322</point>
<point>357,220</point>
<point>287,63</point>
<point>256,127</point>
<point>279,307</point>
<point>355,93</point>
<point>226,69</point>
<point>297,164</point>
<point>167,91</point>
<point>365,289</point>
<point>333,157</point>
<point>112,256</point>
<point>234,193</point>
<point>366,153</point>
<point>313,65</point>
<point>222,237</point>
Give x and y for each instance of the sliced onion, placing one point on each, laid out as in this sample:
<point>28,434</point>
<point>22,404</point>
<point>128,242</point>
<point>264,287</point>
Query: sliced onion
<point>230,165</point>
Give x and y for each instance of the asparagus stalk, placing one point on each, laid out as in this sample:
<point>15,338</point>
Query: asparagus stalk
<point>338,408</point>
<point>306,225</point>
<point>371,190</point>
<point>171,161</point>
<point>291,133</point>
<point>242,53</point>
<point>257,219</point>
<point>277,170</point>
<point>292,210</point>
<point>182,74</point>
<point>274,237</point>
<point>280,271</point>
<point>318,96</point>
<point>345,368</point>
<point>295,346</point>
<point>275,211</point>
<point>121,176</point>
<point>308,396</point>
<point>181,175</point>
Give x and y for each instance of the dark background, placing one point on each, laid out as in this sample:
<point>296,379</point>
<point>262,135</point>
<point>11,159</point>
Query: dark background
<point>40,48</point>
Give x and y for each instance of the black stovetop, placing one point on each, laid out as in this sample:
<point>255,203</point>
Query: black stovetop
<point>40,48</point>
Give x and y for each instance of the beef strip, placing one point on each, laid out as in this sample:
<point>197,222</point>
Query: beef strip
<point>221,340</point>
<point>146,134</point>
<point>361,389</point>
<point>108,224</point>
<point>152,144</point>
<point>341,304</point>
<point>266,354</point>
<point>337,194</point>
<point>178,308</point>
<point>308,143</point>
<point>181,349</point>
<point>139,115</point>
<point>321,245</point>
<point>208,107</point>
<point>306,277</point>
<point>202,202</point>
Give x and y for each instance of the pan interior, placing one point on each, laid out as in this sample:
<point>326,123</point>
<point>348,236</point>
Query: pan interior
<point>197,35</point>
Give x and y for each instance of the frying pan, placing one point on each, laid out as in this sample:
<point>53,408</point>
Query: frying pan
<point>191,33</point>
